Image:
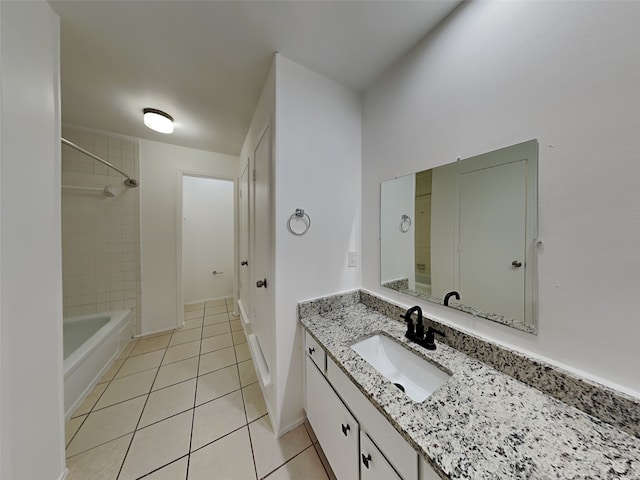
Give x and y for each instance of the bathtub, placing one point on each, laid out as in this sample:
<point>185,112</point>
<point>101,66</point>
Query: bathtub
<point>91,344</point>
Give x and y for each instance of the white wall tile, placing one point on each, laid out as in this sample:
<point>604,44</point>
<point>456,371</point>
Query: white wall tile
<point>100,234</point>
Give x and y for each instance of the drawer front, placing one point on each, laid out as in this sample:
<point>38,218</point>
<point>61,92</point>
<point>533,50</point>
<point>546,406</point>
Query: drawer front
<point>373,465</point>
<point>335,427</point>
<point>396,449</point>
<point>315,352</point>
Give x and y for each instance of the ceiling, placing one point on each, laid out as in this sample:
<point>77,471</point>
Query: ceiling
<point>205,62</point>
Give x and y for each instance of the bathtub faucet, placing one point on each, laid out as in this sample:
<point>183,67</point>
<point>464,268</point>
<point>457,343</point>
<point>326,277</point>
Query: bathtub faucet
<point>449,295</point>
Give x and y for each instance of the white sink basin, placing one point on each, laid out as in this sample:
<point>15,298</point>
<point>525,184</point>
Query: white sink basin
<point>417,377</point>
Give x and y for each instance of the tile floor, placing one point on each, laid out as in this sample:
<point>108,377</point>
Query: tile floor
<point>186,405</point>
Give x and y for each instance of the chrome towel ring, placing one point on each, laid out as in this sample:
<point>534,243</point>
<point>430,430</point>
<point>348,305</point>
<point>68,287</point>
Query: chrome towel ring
<point>300,217</point>
<point>405,223</point>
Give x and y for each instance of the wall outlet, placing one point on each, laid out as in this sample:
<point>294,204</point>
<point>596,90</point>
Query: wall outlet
<point>353,259</point>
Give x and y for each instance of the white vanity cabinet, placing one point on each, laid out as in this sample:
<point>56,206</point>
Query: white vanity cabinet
<point>335,427</point>
<point>357,439</point>
<point>373,465</point>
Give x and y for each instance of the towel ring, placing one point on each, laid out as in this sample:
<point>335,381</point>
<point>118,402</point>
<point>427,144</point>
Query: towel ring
<point>301,216</point>
<point>405,223</point>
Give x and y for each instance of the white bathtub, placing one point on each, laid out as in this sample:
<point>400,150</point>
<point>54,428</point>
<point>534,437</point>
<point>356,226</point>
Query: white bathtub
<point>91,344</point>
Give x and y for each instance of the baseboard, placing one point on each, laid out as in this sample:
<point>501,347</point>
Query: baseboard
<point>208,300</point>
<point>291,426</point>
<point>154,332</point>
<point>64,474</point>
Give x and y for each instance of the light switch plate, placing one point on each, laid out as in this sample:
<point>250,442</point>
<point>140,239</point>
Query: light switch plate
<point>353,259</point>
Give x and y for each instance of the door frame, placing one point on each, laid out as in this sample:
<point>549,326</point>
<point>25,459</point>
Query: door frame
<point>181,173</point>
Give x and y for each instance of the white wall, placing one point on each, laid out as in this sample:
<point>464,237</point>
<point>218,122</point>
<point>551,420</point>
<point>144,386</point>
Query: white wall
<point>160,164</point>
<point>318,152</point>
<point>398,248</point>
<point>100,234</point>
<point>207,238</point>
<point>31,406</point>
<point>567,74</point>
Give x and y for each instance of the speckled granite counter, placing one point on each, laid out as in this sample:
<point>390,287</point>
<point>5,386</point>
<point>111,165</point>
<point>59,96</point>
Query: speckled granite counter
<point>482,424</point>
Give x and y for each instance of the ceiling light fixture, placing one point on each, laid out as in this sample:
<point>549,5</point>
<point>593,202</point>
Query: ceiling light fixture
<point>158,120</point>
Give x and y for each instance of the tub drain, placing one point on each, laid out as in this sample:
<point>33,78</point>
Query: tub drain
<point>399,385</point>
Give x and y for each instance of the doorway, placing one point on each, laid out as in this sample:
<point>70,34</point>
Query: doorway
<point>207,239</point>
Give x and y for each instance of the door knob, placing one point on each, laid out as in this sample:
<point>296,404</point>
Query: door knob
<point>516,264</point>
<point>244,262</point>
<point>261,283</point>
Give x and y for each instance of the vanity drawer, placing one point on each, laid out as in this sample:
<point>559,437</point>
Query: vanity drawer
<point>315,352</point>
<point>398,452</point>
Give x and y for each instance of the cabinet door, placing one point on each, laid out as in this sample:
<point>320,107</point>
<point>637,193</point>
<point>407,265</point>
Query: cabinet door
<point>336,429</point>
<point>427,472</point>
<point>373,465</point>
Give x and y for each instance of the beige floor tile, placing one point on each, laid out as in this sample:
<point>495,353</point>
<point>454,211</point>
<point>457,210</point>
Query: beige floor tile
<point>217,384</point>
<point>168,401</point>
<point>216,319</point>
<point>190,307</point>
<point>239,337</point>
<point>219,329</point>
<point>152,343</point>
<point>215,303</point>
<point>140,363</point>
<point>235,325</point>
<point>126,351</point>
<point>181,352</point>
<point>174,471</point>
<point>212,361</point>
<point>194,323</point>
<point>306,465</point>
<point>242,352</point>
<point>100,463</point>
<point>271,452</point>
<point>87,405</point>
<point>254,402</point>
<point>217,418</point>
<point>247,373</point>
<point>176,372</point>
<point>194,314</point>
<point>228,458</point>
<point>215,309</point>
<point>312,434</point>
<point>113,369</point>
<point>325,462</point>
<point>156,445</point>
<point>218,342</point>
<point>185,336</point>
<point>71,427</point>
<point>107,424</point>
<point>125,388</point>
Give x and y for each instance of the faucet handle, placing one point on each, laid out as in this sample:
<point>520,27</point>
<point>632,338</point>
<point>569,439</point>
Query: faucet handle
<point>432,330</point>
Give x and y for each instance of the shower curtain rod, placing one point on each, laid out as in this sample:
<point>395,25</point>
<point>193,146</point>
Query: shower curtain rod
<point>129,182</point>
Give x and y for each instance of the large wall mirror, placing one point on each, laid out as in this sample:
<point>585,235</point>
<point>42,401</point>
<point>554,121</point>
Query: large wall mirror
<point>468,227</point>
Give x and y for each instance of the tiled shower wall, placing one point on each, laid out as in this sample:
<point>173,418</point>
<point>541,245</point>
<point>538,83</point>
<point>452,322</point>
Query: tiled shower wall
<point>100,234</point>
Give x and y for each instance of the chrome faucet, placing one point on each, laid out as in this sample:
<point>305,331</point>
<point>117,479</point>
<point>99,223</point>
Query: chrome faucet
<point>449,295</point>
<point>417,334</point>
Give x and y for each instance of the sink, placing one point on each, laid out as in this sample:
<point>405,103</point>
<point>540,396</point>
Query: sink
<point>412,374</point>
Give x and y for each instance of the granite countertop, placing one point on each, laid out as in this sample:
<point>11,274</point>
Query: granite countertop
<point>481,424</point>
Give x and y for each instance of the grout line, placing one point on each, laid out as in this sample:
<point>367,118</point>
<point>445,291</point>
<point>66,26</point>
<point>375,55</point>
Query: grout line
<point>166,465</point>
<point>195,395</point>
<point>296,455</point>
<point>124,459</point>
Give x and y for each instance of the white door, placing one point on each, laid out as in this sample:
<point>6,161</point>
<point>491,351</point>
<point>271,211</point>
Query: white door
<point>261,281</point>
<point>207,238</point>
<point>492,239</point>
<point>243,212</point>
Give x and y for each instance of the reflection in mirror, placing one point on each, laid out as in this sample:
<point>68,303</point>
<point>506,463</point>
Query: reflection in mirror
<point>470,227</point>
